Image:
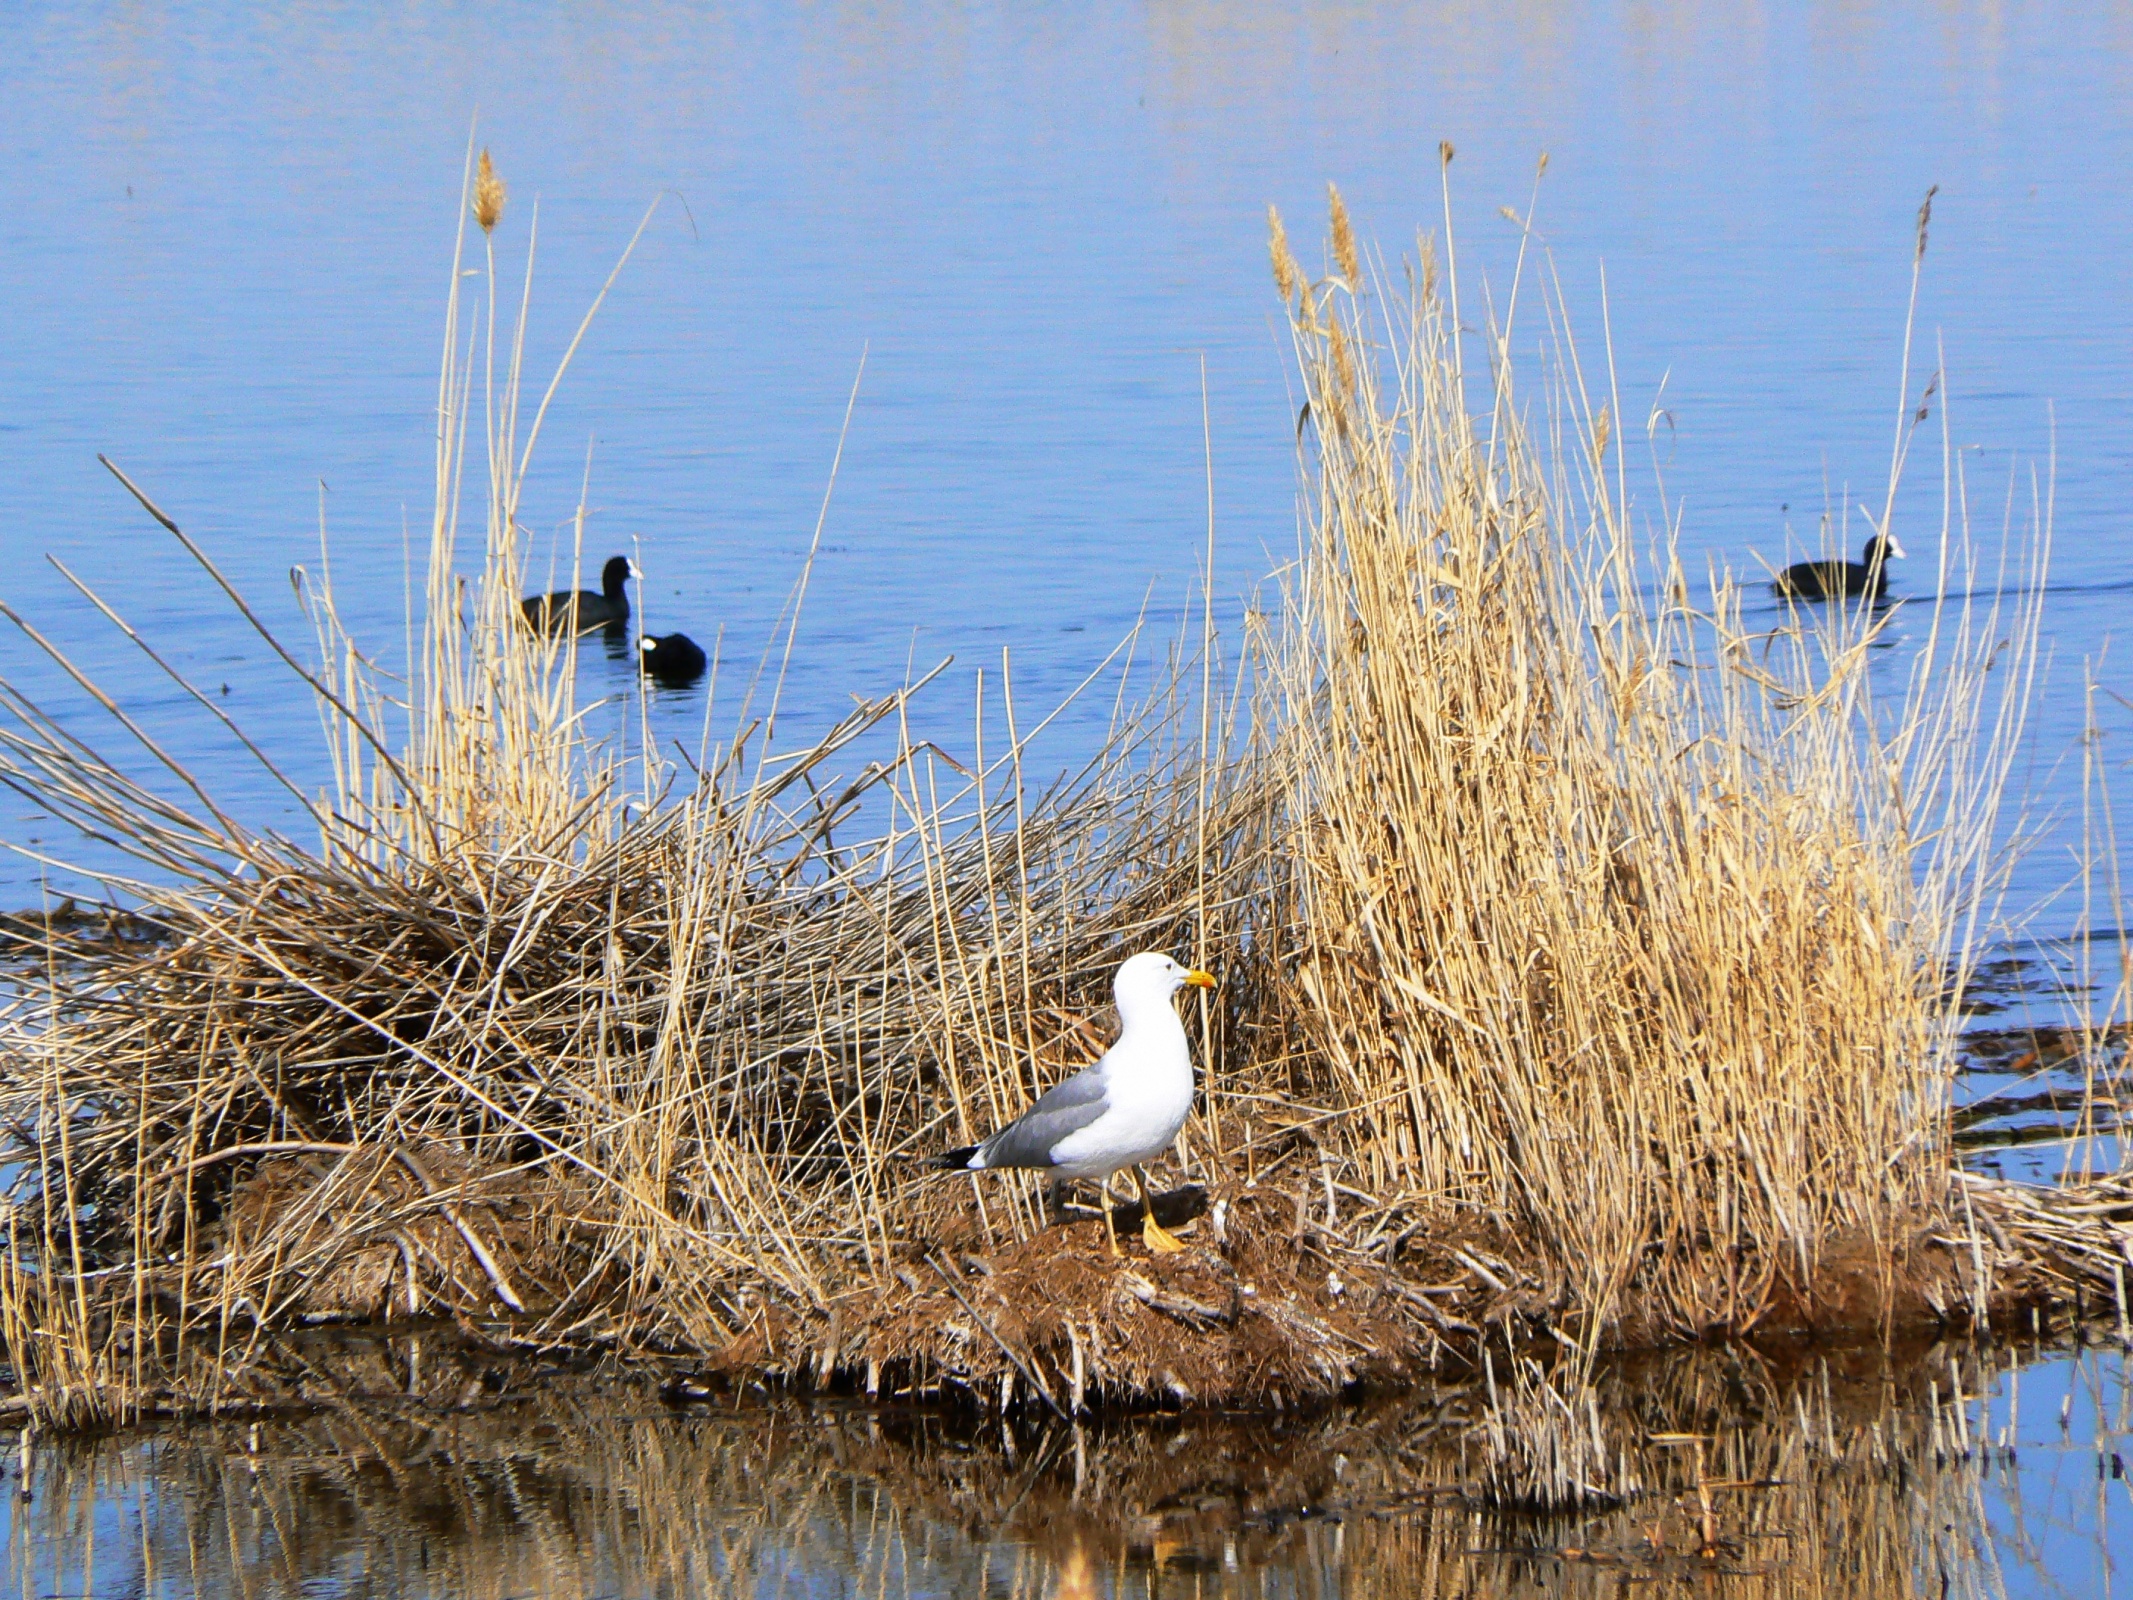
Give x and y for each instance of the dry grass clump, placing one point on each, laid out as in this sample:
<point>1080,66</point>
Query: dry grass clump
<point>1585,961</point>
<point>500,1044</point>
<point>1617,920</point>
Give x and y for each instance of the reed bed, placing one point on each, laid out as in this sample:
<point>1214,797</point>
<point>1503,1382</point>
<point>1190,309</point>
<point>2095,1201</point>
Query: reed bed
<point>499,1043</point>
<point>1589,962</point>
<point>1623,922</point>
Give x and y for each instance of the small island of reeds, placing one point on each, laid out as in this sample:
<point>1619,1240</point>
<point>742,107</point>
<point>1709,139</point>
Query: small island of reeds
<point>1590,962</point>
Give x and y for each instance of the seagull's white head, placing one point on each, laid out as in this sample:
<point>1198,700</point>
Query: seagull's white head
<point>1151,978</point>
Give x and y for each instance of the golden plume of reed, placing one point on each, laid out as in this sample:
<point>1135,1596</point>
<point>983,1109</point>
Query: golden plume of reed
<point>488,194</point>
<point>1288,277</point>
<point>1344,252</point>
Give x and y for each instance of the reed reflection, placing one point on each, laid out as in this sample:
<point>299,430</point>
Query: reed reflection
<point>1934,1471</point>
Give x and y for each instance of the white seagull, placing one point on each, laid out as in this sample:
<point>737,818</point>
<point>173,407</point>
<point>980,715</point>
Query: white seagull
<point>1117,1114</point>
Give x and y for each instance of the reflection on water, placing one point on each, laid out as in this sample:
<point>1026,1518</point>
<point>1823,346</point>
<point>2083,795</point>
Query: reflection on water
<point>1837,1474</point>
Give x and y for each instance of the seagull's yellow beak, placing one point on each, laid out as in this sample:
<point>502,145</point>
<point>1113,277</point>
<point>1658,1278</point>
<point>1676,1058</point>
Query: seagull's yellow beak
<point>1200,980</point>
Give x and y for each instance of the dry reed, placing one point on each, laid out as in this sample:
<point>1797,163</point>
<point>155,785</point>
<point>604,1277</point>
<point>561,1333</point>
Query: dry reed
<point>1620,923</point>
<point>495,1044</point>
<point>1587,961</point>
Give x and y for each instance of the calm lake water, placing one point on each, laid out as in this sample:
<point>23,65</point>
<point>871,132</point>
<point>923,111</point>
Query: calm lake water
<point>224,248</point>
<point>1845,1473</point>
<point>225,242</point>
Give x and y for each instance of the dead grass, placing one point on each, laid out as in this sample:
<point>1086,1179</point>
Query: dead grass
<point>1585,964</point>
<point>1619,920</point>
<point>498,1043</point>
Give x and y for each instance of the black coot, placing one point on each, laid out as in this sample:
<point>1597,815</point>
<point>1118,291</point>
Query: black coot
<point>672,658</point>
<point>580,610</point>
<point>1830,580</point>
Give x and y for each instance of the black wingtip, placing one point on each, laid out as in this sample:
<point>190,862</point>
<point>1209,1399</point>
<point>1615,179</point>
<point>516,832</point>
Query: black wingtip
<point>955,1160</point>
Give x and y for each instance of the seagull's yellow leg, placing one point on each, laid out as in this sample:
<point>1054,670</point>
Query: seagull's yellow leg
<point>1153,1234</point>
<point>1103,1188</point>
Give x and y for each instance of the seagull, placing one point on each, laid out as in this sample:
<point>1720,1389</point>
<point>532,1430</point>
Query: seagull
<point>1121,1112</point>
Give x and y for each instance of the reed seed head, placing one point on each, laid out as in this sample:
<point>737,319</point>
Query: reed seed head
<point>488,194</point>
<point>1288,277</point>
<point>1343,390</point>
<point>1344,255</point>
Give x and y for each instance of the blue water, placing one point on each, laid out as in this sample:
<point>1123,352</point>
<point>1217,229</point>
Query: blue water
<point>224,245</point>
<point>1951,1472</point>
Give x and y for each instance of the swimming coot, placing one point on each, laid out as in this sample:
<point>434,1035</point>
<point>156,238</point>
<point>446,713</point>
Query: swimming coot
<point>1830,580</point>
<point>580,610</point>
<point>672,658</point>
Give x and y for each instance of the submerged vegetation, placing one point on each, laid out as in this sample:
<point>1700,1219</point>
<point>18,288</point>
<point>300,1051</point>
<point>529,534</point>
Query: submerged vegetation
<point>1590,966</point>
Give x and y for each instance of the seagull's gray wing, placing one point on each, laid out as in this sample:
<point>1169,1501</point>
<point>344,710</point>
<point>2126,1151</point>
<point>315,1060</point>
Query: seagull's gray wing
<point>1066,1108</point>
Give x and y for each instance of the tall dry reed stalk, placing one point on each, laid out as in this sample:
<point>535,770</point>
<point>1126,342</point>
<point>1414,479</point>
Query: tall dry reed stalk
<point>1631,923</point>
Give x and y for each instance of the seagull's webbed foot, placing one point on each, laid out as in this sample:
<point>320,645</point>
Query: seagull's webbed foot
<point>1159,1239</point>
